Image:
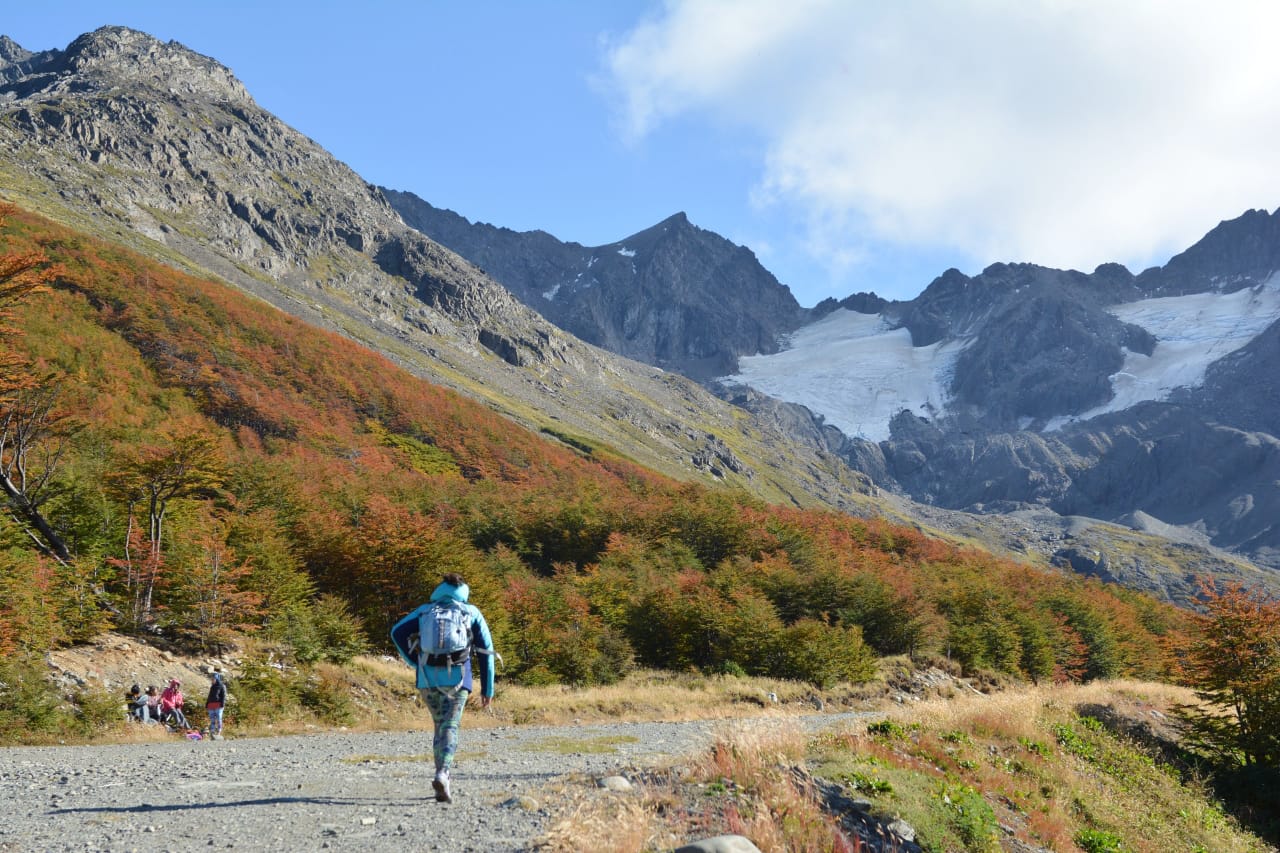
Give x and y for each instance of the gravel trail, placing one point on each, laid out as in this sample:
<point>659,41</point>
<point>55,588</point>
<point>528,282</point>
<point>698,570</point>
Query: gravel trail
<point>344,791</point>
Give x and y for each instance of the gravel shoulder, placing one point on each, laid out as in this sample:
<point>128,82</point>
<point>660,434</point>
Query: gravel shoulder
<point>334,791</point>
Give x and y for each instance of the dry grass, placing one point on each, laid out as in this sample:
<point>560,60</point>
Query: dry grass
<point>384,699</point>
<point>611,824</point>
<point>382,695</point>
<point>744,752</point>
<point>1046,766</point>
<point>652,695</point>
<point>1032,760</point>
<point>1012,714</point>
<point>745,784</point>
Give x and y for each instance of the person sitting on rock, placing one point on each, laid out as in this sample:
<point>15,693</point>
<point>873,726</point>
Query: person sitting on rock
<point>137,704</point>
<point>153,703</point>
<point>171,701</point>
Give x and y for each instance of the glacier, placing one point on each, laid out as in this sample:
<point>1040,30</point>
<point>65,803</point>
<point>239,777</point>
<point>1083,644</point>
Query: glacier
<point>1191,332</point>
<point>857,371</point>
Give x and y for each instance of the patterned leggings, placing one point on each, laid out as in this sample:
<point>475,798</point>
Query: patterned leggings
<point>446,712</point>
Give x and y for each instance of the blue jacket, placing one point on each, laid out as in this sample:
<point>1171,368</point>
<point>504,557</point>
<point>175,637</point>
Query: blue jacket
<point>448,676</point>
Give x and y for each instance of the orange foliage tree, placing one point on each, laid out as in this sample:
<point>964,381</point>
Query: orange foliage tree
<point>188,463</point>
<point>22,273</point>
<point>1234,665</point>
<point>353,479</point>
<point>29,424</point>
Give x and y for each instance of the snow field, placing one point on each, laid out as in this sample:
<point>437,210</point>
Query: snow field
<point>857,372</point>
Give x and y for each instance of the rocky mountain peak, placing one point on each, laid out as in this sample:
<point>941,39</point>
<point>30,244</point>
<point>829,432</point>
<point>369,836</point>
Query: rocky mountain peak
<point>673,295</point>
<point>1238,253</point>
<point>118,57</point>
<point>16,61</point>
<point>11,52</point>
<point>667,232</point>
<point>193,164</point>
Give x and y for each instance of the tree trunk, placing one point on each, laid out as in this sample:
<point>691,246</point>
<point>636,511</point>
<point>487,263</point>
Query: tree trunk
<point>49,542</point>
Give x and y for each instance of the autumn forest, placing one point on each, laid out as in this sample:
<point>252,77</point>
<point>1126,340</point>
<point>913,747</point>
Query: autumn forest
<point>180,458</point>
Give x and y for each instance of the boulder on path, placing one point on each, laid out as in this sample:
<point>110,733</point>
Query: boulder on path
<point>720,844</point>
<point>614,783</point>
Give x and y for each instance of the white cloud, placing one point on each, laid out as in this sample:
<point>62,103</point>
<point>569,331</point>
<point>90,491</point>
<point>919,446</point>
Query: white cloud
<point>1065,133</point>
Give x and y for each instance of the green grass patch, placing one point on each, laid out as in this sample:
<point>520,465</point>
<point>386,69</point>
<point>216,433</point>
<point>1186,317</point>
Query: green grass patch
<point>423,456</point>
<point>865,783</point>
<point>1098,841</point>
<point>581,445</point>
<point>571,746</point>
<point>1096,791</point>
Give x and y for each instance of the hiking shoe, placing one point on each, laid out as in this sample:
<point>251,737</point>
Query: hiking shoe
<point>441,784</point>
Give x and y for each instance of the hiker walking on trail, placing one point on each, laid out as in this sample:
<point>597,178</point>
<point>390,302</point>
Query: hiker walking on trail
<point>438,640</point>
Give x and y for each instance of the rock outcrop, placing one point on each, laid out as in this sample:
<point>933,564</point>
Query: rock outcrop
<point>675,296</point>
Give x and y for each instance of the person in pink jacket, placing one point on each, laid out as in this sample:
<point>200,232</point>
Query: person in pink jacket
<point>171,705</point>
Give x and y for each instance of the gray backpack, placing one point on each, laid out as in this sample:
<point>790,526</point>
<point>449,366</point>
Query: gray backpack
<point>444,634</point>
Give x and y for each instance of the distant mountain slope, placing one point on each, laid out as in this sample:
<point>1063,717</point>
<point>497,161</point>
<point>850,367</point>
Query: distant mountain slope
<point>1029,386</point>
<point>162,149</point>
<point>1106,394</point>
<point>674,295</point>
<point>1237,253</point>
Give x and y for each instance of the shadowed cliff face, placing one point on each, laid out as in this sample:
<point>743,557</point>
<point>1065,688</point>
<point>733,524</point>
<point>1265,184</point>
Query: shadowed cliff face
<point>1034,417</point>
<point>1043,344</point>
<point>675,296</point>
<point>1240,252</point>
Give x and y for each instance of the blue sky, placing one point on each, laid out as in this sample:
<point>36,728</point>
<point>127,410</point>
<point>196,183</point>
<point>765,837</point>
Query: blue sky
<point>851,145</point>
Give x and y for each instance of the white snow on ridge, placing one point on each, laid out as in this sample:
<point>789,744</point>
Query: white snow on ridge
<point>627,253</point>
<point>1191,333</point>
<point>856,372</point>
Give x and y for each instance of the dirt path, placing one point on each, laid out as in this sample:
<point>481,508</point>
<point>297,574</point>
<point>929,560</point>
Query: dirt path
<point>367,792</point>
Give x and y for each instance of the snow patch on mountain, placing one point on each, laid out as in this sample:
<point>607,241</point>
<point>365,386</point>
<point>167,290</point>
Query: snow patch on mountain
<point>1191,332</point>
<point>856,371</point>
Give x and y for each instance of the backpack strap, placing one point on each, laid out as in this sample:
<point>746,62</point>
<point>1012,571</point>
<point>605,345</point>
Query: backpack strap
<point>450,660</point>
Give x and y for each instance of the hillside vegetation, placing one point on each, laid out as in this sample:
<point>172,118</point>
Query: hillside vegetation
<point>209,466</point>
<point>184,463</point>
<point>1067,767</point>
